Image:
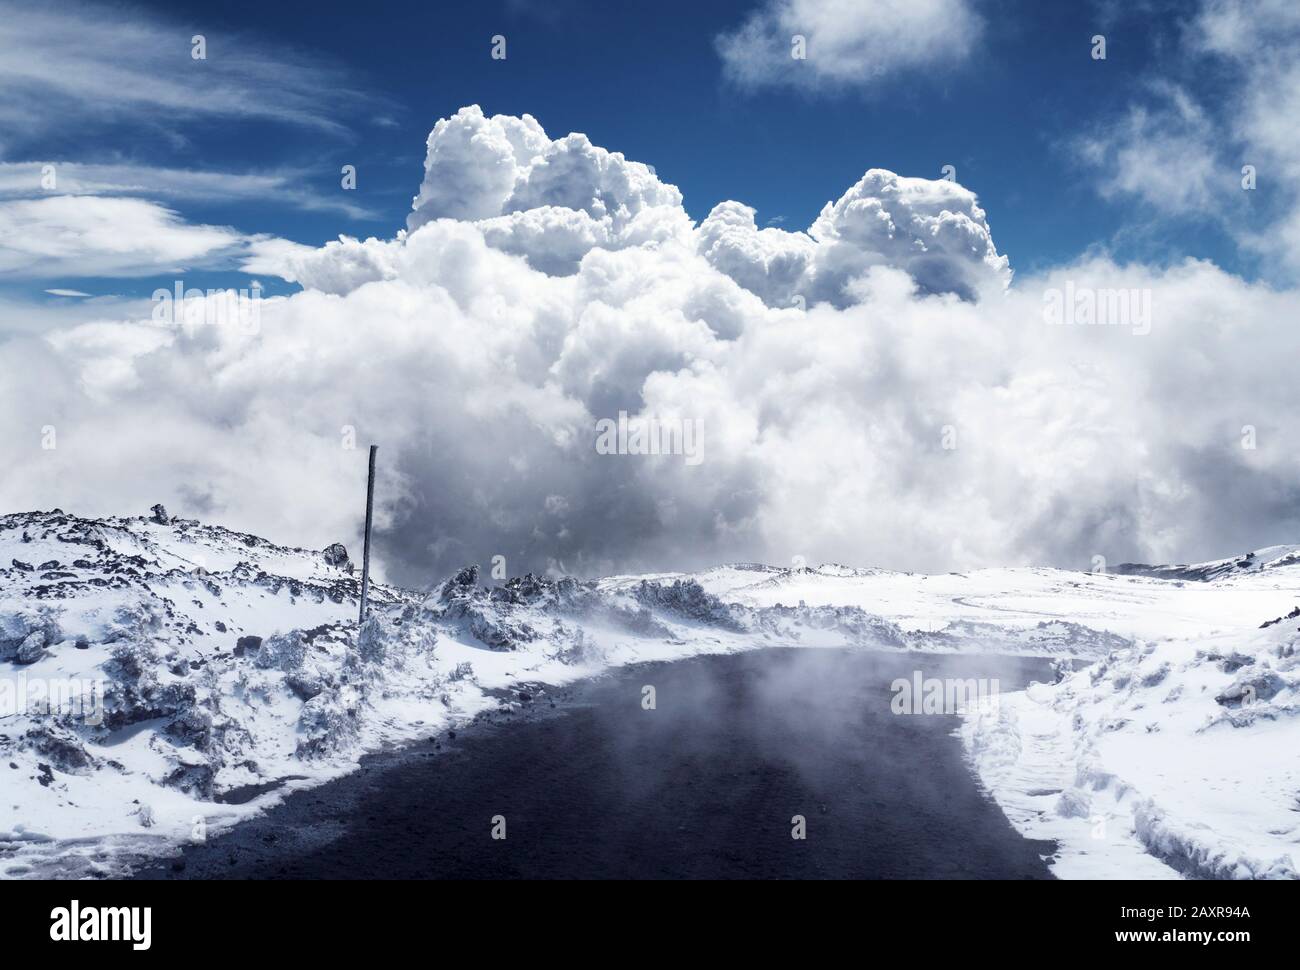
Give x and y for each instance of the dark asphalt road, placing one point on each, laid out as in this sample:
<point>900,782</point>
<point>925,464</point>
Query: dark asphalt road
<point>704,786</point>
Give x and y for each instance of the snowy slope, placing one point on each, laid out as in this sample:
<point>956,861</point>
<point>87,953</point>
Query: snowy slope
<point>229,670</point>
<point>140,621</point>
<point>1261,560</point>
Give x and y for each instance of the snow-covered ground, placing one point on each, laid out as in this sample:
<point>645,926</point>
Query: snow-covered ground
<point>232,670</point>
<point>1178,755</point>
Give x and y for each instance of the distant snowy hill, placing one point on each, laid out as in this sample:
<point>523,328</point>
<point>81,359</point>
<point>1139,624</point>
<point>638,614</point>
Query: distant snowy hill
<point>197,673</point>
<point>1273,557</point>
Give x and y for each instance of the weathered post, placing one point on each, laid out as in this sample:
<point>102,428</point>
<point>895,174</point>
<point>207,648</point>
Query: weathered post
<point>365,553</point>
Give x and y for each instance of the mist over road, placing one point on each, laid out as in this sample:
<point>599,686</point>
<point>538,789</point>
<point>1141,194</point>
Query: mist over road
<point>703,786</point>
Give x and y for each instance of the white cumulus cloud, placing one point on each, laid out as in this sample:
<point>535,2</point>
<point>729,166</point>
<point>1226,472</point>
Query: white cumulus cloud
<point>917,411</point>
<point>550,201</point>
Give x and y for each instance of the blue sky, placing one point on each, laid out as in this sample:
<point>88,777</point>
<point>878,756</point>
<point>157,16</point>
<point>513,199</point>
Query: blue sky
<point>647,80</point>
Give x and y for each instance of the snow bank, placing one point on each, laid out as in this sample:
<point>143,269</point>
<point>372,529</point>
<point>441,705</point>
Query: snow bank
<point>1181,749</point>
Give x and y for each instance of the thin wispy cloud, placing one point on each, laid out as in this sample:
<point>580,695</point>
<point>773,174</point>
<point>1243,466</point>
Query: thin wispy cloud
<point>96,65</point>
<point>288,187</point>
<point>1184,157</point>
<point>1161,152</point>
<point>122,78</point>
<point>69,236</point>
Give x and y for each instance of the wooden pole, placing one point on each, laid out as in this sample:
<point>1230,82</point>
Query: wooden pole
<point>365,554</point>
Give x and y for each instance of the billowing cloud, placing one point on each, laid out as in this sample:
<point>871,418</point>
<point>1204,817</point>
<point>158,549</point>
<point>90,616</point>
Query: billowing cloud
<point>934,230</point>
<point>550,201</point>
<point>816,44</point>
<point>915,410</point>
<point>337,267</point>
